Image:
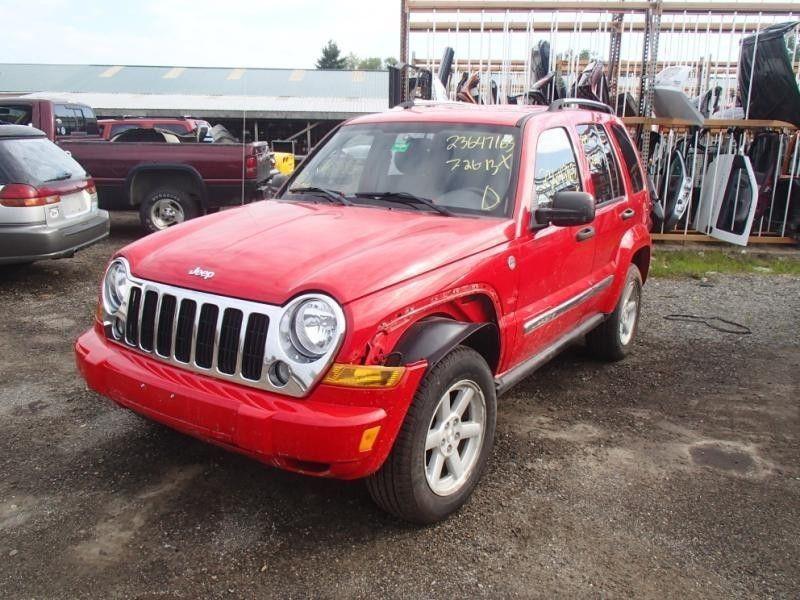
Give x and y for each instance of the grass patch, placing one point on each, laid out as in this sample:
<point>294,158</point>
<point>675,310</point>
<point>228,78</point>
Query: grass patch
<point>694,263</point>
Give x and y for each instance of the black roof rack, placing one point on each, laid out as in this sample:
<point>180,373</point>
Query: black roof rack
<point>561,103</point>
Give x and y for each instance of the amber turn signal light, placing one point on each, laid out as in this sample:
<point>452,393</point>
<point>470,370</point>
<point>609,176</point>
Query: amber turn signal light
<point>364,376</point>
<point>368,438</point>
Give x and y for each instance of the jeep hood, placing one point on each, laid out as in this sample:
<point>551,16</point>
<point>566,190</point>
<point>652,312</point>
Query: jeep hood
<point>271,251</point>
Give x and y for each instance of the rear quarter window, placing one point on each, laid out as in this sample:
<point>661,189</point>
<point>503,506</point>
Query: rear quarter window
<point>629,156</point>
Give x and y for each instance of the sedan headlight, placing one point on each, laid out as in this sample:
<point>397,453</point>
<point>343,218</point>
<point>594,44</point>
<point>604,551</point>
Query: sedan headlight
<point>115,284</point>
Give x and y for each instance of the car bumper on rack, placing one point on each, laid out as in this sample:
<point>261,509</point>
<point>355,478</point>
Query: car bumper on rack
<point>321,434</point>
<point>27,243</point>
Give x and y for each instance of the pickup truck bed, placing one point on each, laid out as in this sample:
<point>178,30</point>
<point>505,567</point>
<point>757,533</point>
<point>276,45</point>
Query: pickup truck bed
<point>166,182</point>
<point>213,174</point>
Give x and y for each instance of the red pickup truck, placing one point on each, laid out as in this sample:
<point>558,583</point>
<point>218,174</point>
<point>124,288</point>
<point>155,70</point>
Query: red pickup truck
<point>362,324</point>
<point>166,183</point>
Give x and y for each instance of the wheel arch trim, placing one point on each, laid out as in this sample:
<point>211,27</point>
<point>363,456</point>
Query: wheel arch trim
<point>433,338</point>
<point>155,168</point>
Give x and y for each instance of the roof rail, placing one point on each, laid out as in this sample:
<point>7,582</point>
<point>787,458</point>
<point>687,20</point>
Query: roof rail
<point>580,103</point>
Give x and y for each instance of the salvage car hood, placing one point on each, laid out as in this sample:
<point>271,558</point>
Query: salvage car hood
<point>272,251</point>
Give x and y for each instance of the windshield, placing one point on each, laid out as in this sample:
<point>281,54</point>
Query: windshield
<point>34,161</point>
<point>466,169</point>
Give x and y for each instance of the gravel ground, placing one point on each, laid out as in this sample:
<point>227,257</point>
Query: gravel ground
<point>675,473</point>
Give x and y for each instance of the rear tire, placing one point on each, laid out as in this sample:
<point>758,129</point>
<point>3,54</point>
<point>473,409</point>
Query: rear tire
<point>166,207</point>
<point>440,453</point>
<point>614,337</point>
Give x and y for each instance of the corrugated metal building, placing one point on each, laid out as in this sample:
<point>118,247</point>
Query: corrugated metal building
<point>276,103</point>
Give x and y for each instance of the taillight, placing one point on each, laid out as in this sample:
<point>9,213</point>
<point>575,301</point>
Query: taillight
<point>92,191</point>
<point>251,167</point>
<point>18,195</point>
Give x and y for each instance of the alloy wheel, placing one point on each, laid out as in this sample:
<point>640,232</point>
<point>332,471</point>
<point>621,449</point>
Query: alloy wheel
<point>455,436</point>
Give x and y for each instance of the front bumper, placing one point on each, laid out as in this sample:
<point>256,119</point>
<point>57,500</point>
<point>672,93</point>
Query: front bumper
<point>318,435</point>
<point>27,243</point>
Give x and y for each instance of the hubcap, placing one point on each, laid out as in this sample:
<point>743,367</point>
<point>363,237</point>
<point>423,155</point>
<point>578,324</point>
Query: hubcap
<point>455,437</point>
<point>166,212</point>
<point>630,310</point>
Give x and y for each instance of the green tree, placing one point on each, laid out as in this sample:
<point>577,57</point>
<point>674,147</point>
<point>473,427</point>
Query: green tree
<point>390,62</point>
<point>371,63</point>
<point>331,57</point>
<point>351,61</point>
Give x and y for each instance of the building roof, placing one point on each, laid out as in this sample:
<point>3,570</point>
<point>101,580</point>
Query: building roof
<point>204,91</point>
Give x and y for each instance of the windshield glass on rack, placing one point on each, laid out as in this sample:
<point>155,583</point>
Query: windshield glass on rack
<point>463,169</point>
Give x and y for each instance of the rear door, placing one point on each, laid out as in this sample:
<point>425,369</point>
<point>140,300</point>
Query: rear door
<point>554,262</point>
<point>615,210</point>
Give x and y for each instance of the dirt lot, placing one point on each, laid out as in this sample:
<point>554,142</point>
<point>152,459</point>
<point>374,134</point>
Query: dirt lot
<point>675,473</point>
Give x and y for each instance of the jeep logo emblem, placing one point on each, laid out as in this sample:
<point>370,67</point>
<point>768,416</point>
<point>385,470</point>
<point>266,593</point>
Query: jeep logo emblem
<point>198,272</point>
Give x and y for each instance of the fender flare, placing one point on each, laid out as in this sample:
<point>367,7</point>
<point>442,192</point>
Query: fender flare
<point>432,339</point>
<point>149,168</point>
<point>634,240</point>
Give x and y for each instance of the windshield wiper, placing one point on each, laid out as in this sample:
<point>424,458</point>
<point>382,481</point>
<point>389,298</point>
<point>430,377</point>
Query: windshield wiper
<point>406,198</point>
<point>61,177</point>
<point>332,195</point>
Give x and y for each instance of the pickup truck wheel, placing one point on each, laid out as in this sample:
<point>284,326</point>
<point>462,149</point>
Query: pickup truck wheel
<point>613,338</point>
<point>444,443</point>
<point>165,207</point>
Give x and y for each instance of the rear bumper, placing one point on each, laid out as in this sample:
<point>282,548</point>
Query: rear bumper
<point>25,243</point>
<point>318,435</point>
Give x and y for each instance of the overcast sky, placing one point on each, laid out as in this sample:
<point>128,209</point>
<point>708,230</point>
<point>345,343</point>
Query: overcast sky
<point>223,33</point>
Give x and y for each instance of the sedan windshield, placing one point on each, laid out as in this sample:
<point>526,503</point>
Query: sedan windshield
<point>461,169</point>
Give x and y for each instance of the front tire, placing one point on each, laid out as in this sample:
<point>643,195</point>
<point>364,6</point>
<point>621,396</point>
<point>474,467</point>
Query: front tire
<point>444,443</point>
<point>614,337</point>
<point>166,207</point>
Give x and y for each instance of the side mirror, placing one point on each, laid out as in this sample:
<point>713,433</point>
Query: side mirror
<point>278,180</point>
<point>568,209</point>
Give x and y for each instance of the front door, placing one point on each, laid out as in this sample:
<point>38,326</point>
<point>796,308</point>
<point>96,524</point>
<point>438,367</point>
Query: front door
<point>554,262</point>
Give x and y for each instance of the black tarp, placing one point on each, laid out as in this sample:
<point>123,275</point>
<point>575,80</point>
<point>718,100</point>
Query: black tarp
<point>775,94</point>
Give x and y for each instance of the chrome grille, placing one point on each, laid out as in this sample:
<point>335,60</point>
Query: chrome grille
<point>200,331</point>
<point>227,338</point>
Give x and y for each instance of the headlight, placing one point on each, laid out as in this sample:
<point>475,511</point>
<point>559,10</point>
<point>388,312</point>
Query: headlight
<point>314,327</point>
<point>114,286</point>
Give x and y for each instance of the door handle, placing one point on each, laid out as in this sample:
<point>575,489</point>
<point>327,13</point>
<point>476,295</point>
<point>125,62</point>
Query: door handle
<point>585,234</point>
<point>627,214</point>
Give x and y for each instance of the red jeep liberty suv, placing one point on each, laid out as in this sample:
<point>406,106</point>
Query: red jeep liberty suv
<point>362,324</point>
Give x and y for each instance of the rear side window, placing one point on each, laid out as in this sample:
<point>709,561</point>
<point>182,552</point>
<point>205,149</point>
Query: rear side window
<point>67,119</point>
<point>35,161</point>
<point>629,156</point>
<point>90,121</point>
<point>556,168</point>
<point>72,120</point>
<point>603,167</point>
